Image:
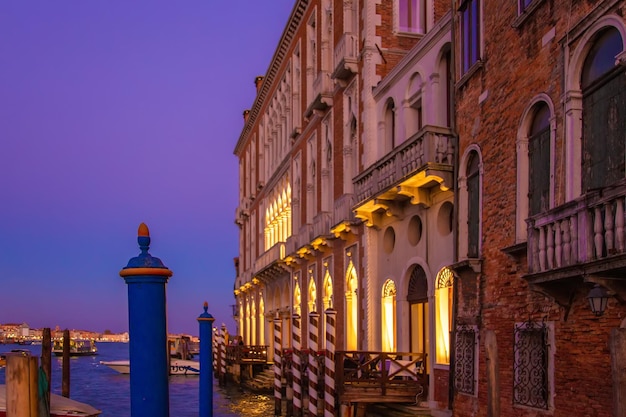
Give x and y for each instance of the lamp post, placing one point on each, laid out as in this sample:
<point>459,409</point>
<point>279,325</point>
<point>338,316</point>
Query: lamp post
<point>598,299</point>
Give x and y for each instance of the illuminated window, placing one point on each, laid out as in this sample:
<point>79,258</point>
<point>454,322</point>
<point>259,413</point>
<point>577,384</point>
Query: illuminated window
<point>312,295</point>
<point>388,317</point>
<point>262,320</point>
<point>253,323</point>
<point>297,299</point>
<point>351,308</point>
<point>443,311</point>
<point>247,332</point>
<point>328,291</point>
<point>278,219</point>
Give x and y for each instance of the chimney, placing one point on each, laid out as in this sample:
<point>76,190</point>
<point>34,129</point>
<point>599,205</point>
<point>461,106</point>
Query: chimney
<point>246,113</point>
<point>258,80</point>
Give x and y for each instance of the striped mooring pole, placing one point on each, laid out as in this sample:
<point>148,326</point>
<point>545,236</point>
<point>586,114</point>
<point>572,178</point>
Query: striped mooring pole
<point>205,321</point>
<point>297,366</point>
<point>329,377</point>
<point>216,336</point>
<point>223,356</point>
<point>313,371</point>
<point>278,397</point>
<point>146,277</point>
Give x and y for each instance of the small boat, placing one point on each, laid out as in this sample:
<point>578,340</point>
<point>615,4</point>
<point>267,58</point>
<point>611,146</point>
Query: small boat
<point>77,348</point>
<point>59,406</point>
<point>177,366</point>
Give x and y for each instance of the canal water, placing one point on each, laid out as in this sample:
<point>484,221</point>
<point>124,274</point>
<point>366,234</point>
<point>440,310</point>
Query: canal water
<point>109,391</point>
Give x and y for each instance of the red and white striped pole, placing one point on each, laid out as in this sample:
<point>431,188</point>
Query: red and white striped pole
<point>215,351</point>
<point>297,366</point>
<point>329,377</point>
<point>278,397</point>
<point>223,356</point>
<point>313,371</point>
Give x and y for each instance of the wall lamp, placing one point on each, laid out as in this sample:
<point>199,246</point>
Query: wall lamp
<point>598,298</point>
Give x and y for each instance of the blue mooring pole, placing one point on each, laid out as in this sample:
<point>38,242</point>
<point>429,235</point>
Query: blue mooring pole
<point>146,277</point>
<point>205,321</point>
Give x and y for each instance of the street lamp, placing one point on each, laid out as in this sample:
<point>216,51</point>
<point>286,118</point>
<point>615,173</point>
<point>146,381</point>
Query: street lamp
<point>598,299</point>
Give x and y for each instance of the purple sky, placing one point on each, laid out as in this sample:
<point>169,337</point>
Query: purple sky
<point>113,113</point>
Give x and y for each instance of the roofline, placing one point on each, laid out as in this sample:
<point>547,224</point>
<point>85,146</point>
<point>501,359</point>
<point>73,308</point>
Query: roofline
<point>277,60</point>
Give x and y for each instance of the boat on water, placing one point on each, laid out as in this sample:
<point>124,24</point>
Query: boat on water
<point>59,406</point>
<point>77,348</point>
<point>177,366</point>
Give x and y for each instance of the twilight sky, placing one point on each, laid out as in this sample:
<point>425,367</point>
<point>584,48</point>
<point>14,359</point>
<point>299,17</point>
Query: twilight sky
<point>113,113</point>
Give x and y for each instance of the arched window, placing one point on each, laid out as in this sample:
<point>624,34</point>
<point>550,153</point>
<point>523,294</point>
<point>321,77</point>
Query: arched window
<point>352,308</point>
<point>473,205</point>
<point>253,327</point>
<point>604,112</point>
<point>443,307</point>
<point>261,320</point>
<point>312,295</point>
<point>539,160</point>
<point>388,316</point>
<point>390,126</point>
<point>328,291</point>
<point>297,299</point>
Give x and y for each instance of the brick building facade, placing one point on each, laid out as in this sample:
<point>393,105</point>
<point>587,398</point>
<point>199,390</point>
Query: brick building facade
<point>540,110</point>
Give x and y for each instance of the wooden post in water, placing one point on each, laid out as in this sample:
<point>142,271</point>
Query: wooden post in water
<point>21,385</point>
<point>65,380</point>
<point>46,365</point>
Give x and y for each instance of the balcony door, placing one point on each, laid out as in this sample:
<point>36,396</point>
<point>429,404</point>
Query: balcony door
<point>418,307</point>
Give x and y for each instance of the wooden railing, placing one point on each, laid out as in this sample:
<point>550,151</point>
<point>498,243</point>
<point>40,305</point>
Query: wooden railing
<point>362,374</point>
<point>246,354</point>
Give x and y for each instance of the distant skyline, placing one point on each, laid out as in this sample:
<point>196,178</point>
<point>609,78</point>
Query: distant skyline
<point>115,113</point>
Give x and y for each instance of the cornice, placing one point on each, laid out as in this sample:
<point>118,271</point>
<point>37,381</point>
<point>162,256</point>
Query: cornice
<point>277,60</point>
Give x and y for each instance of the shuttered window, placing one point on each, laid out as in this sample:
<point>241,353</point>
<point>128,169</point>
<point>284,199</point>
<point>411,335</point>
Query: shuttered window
<point>604,113</point>
<point>539,155</point>
<point>473,197</point>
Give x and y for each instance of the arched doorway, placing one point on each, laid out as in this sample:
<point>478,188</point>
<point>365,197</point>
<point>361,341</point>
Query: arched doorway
<point>417,297</point>
<point>351,308</point>
<point>388,316</point>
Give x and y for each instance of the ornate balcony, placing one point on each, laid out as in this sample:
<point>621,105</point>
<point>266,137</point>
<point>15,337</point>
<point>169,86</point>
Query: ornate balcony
<point>346,57</point>
<point>343,216</point>
<point>322,93</point>
<point>407,173</point>
<point>583,240</point>
<point>271,263</point>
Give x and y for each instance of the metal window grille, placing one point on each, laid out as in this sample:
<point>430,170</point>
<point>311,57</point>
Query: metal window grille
<point>465,355</point>
<point>531,365</point>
